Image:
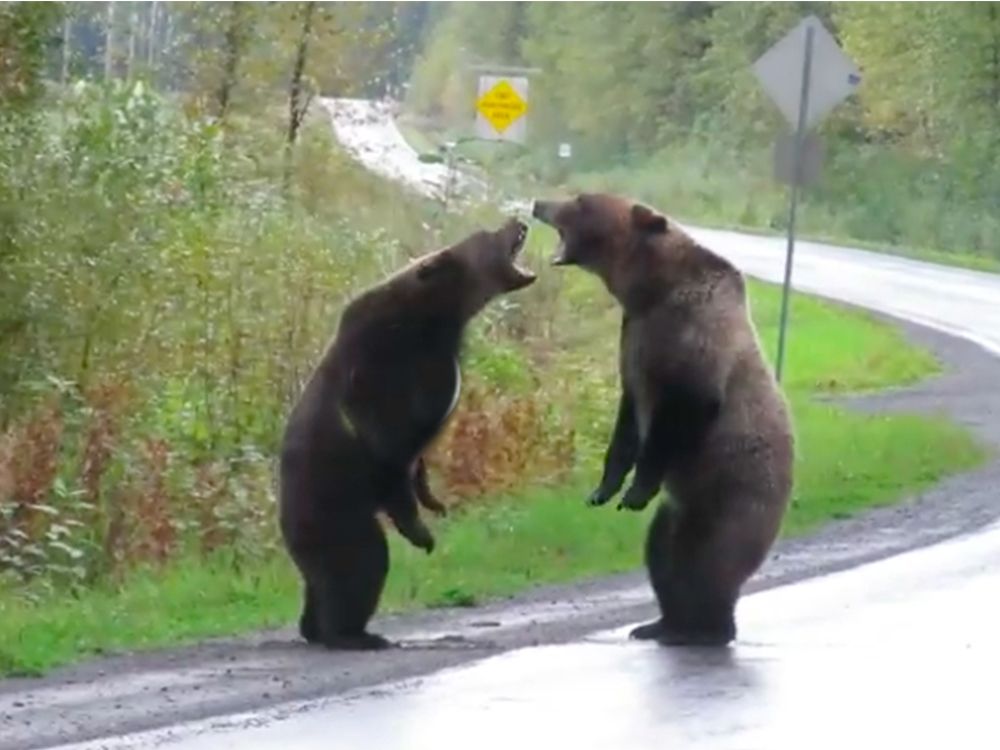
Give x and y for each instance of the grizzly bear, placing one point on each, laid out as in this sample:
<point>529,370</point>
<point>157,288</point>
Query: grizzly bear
<point>354,442</point>
<point>700,414</point>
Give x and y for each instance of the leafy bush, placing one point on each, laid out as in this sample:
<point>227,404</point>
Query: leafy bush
<point>164,304</point>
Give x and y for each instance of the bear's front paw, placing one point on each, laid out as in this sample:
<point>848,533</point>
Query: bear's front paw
<point>637,497</point>
<point>600,496</point>
<point>424,542</point>
<point>419,536</point>
<point>436,506</point>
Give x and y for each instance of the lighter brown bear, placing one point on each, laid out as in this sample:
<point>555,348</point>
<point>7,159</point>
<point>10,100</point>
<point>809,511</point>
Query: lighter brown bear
<point>700,415</point>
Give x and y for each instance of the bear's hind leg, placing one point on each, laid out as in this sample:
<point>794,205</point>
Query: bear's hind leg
<point>682,550</point>
<point>308,625</point>
<point>348,588</point>
<point>658,564</point>
<point>690,616</point>
<point>708,621</point>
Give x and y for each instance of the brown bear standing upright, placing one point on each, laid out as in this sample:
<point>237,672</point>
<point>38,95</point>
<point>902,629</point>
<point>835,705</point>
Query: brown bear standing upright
<point>700,412</point>
<point>353,444</point>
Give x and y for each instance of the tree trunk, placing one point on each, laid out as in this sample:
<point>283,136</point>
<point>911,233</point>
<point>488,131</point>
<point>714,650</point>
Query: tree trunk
<point>109,42</point>
<point>133,21</point>
<point>151,35</point>
<point>234,43</point>
<point>298,99</point>
<point>995,56</point>
<point>67,50</point>
<point>166,48</point>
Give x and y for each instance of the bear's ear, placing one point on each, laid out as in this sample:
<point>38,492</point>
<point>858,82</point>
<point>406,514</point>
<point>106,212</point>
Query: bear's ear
<point>646,219</point>
<point>442,267</point>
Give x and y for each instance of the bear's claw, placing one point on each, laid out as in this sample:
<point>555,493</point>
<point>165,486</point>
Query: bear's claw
<point>418,535</point>
<point>649,631</point>
<point>637,498</point>
<point>600,496</point>
<point>436,507</point>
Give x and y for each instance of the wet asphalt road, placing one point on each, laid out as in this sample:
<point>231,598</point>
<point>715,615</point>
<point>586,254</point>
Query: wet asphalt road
<point>897,653</point>
<point>952,300</point>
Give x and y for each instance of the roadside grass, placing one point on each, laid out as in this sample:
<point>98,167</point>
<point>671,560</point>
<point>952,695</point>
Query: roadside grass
<point>497,546</point>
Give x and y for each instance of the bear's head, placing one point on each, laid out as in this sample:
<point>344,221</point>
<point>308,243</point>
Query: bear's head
<point>598,231</point>
<point>479,268</point>
<point>633,250</point>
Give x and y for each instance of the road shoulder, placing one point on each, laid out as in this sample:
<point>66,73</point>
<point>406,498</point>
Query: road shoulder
<point>140,691</point>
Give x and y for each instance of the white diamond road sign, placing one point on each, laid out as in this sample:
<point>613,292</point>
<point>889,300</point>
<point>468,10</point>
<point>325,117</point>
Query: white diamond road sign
<point>806,75</point>
<point>833,75</point>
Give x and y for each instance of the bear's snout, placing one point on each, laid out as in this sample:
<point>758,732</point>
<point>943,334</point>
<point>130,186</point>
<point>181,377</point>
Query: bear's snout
<point>543,211</point>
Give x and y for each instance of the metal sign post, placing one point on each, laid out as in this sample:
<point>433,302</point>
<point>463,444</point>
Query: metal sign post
<point>827,77</point>
<point>793,200</point>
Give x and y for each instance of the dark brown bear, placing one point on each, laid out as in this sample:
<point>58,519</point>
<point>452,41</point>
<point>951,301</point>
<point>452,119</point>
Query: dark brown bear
<point>700,413</point>
<point>354,442</point>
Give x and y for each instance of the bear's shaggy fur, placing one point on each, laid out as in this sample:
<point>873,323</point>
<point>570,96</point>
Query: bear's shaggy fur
<point>700,413</point>
<point>354,442</point>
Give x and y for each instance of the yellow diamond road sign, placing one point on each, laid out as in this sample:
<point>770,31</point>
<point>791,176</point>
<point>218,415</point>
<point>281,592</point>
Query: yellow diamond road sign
<point>502,106</point>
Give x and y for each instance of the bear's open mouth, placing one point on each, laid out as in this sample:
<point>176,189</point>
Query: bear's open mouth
<point>515,251</point>
<point>520,237</point>
<point>559,257</point>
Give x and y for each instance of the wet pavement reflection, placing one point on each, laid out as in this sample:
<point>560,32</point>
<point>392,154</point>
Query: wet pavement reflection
<point>899,653</point>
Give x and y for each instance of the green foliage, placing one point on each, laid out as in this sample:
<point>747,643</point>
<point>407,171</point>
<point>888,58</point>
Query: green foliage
<point>499,364</point>
<point>534,535</point>
<point>663,93</point>
<point>171,271</point>
<point>26,35</point>
<point>162,303</point>
<point>165,300</point>
<point>237,52</point>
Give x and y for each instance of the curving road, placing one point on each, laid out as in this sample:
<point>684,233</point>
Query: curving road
<point>873,633</point>
<point>953,300</point>
<point>899,653</point>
